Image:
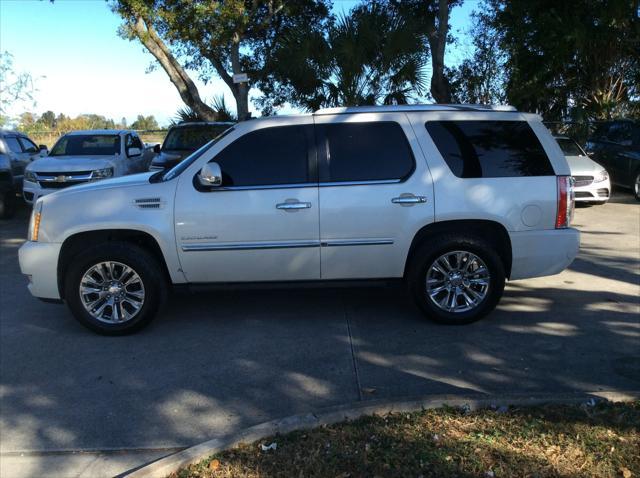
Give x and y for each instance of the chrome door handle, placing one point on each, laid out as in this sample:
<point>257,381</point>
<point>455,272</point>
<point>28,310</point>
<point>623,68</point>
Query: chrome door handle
<point>409,200</point>
<point>287,206</point>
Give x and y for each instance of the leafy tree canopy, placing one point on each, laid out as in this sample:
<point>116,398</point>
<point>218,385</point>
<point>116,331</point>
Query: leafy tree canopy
<point>371,55</point>
<point>580,57</point>
<point>143,123</point>
<point>220,38</point>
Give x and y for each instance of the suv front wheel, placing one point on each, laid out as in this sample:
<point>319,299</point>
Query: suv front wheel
<point>456,279</point>
<point>115,288</point>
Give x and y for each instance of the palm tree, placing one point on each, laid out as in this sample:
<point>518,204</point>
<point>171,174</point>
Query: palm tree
<point>369,56</point>
<point>218,104</point>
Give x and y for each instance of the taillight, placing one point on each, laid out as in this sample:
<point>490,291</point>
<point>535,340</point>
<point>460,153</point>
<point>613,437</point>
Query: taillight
<point>566,201</point>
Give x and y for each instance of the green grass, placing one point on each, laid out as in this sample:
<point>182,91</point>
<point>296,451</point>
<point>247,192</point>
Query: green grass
<point>559,441</point>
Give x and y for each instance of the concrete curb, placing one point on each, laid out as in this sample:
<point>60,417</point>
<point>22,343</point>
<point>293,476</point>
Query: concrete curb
<point>163,467</point>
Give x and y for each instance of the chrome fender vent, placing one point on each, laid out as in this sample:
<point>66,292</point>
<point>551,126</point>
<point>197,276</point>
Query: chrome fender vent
<point>149,203</point>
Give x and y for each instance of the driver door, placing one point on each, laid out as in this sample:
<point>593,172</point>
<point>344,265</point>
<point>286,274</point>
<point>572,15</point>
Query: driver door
<point>262,223</point>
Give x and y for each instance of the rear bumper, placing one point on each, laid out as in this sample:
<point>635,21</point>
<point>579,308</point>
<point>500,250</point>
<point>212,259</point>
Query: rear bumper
<point>39,262</point>
<point>543,253</point>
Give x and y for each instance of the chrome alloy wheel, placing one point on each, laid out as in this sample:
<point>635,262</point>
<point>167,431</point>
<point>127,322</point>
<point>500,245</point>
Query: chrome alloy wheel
<point>112,292</point>
<point>458,281</point>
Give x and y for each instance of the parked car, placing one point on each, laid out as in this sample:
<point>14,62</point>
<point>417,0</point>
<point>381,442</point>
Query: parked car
<point>183,139</point>
<point>616,146</point>
<point>591,181</point>
<point>452,199</point>
<point>86,156</point>
<point>16,152</point>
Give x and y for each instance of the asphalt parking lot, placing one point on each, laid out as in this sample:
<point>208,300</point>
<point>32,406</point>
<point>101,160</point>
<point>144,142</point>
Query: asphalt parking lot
<point>216,361</point>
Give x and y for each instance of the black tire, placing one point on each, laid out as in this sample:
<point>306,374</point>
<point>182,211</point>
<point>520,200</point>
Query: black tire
<point>635,187</point>
<point>426,254</point>
<point>7,203</point>
<point>142,262</point>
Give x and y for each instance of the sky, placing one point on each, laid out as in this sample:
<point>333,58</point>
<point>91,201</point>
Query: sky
<point>81,65</point>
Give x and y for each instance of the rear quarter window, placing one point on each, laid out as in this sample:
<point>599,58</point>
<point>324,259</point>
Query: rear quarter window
<point>490,149</point>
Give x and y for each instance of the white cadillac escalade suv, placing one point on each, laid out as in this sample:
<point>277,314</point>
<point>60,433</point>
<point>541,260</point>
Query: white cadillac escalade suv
<point>453,199</point>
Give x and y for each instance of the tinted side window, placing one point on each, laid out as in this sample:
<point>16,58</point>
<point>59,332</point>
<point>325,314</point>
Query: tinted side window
<point>12,144</point>
<point>28,145</point>
<point>620,133</point>
<point>265,157</point>
<point>490,149</point>
<point>368,152</point>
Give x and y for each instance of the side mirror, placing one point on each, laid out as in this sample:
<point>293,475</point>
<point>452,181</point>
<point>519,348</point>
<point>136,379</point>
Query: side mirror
<point>133,152</point>
<point>210,175</point>
<point>43,147</point>
<point>156,149</point>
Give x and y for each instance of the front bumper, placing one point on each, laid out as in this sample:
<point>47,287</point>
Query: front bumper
<point>542,253</point>
<point>39,262</point>
<point>32,191</point>
<point>594,192</point>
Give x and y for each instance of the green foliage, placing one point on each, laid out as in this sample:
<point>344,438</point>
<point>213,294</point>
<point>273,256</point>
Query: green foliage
<point>145,123</point>
<point>480,78</point>
<point>217,37</point>
<point>219,105</point>
<point>578,58</point>
<point>368,56</point>
<point>16,88</point>
<point>49,122</point>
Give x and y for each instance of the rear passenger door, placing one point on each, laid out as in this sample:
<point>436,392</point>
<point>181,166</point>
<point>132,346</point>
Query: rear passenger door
<point>375,192</point>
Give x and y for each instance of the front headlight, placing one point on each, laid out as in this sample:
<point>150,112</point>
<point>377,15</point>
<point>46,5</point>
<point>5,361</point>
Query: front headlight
<point>102,173</point>
<point>30,176</point>
<point>601,176</point>
<point>34,222</point>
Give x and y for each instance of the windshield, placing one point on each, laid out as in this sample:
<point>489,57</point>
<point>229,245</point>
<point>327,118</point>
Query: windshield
<point>190,138</point>
<point>186,162</point>
<point>569,147</point>
<point>87,145</point>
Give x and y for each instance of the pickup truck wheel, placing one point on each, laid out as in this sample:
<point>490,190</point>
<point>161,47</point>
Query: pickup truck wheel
<point>636,187</point>
<point>456,279</point>
<point>115,288</point>
<point>7,203</point>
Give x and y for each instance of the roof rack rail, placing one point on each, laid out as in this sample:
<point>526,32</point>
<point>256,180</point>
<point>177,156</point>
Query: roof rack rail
<point>419,107</point>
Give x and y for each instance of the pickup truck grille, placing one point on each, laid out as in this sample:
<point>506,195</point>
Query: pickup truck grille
<point>582,181</point>
<point>59,180</point>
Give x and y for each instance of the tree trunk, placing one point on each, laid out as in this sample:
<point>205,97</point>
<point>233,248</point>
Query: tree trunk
<point>440,88</point>
<point>178,76</point>
<point>241,95</point>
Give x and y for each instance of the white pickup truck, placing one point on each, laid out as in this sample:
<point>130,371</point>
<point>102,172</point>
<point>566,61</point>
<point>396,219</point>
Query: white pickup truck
<point>454,199</point>
<point>84,156</point>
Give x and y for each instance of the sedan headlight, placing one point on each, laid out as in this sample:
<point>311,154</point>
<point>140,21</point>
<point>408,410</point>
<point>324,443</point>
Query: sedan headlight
<point>34,222</point>
<point>30,176</point>
<point>601,176</point>
<point>102,173</point>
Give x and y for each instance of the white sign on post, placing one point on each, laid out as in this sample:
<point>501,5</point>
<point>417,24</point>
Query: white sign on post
<point>240,78</point>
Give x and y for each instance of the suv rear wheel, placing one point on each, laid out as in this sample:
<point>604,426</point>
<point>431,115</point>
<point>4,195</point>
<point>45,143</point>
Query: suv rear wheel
<point>456,279</point>
<point>115,288</point>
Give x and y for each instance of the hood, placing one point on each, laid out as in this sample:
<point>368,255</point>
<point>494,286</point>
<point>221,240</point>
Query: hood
<point>68,164</point>
<point>583,166</point>
<point>171,156</point>
<point>111,183</point>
